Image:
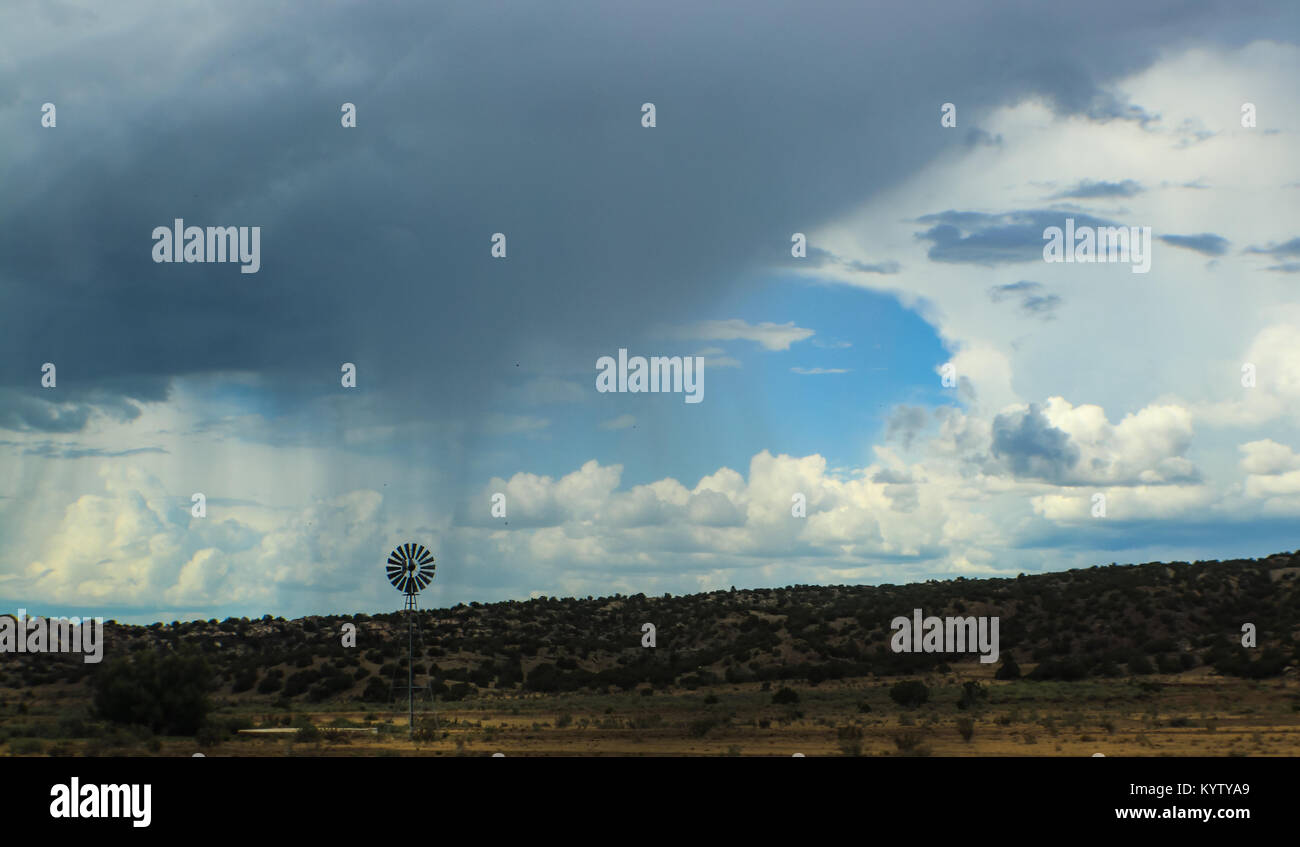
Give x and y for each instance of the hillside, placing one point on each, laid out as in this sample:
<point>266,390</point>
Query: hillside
<point>1112,621</point>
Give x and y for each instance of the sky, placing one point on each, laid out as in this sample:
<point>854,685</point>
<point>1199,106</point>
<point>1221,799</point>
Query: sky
<point>943,400</point>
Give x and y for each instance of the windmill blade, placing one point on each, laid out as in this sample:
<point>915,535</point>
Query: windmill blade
<point>410,567</point>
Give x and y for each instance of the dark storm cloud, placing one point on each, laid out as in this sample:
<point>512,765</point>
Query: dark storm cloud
<point>71,403</point>
<point>21,413</point>
<point>1031,447</point>
<point>1206,243</point>
<point>472,120</point>
<point>987,239</point>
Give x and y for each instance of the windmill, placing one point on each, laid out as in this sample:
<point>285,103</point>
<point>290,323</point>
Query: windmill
<point>410,570</point>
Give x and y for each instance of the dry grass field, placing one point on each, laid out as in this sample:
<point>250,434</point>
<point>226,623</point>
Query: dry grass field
<point>1190,714</point>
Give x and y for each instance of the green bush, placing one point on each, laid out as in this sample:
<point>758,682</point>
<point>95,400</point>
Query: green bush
<point>459,691</point>
<point>244,680</point>
<point>1140,664</point>
<point>784,696</point>
<point>299,682</point>
<point>700,728</point>
<point>168,693</point>
<point>909,693</point>
<point>972,695</point>
<point>210,735</point>
<point>376,690</point>
<point>272,682</point>
<point>907,742</point>
<point>1168,663</point>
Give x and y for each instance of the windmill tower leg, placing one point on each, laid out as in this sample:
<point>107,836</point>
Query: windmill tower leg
<point>427,688</point>
<point>410,667</point>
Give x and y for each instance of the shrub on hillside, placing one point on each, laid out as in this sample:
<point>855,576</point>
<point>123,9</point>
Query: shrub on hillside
<point>376,690</point>
<point>168,694</point>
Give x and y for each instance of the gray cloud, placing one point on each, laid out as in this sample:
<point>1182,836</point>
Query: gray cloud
<point>986,239</point>
<point>1031,301</point>
<point>1043,306</point>
<point>1285,250</point>
<point>998,293</point>
<point>64,451</point>
<point>1031,447</point>
<point>375,241</point>
<point>1207,243</point>
<point>892,477</point>
<point>905,422</point>
<point>820,257</point>
<point>976,137</point>
<point>1088,189</point>
<point>473,121</point>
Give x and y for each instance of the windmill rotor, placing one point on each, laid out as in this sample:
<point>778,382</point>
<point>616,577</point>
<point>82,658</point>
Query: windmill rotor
<point>410,568</point>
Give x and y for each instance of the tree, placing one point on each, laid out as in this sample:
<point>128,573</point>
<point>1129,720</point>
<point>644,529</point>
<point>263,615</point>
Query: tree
<point>972,694</point>
<point>1140,664</point>
<point>244,680</point>
<point>376,690</point>
<point>168,694</point>
<point>909,693</point>
<point>785,695</point>
<point>1008,669</point>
